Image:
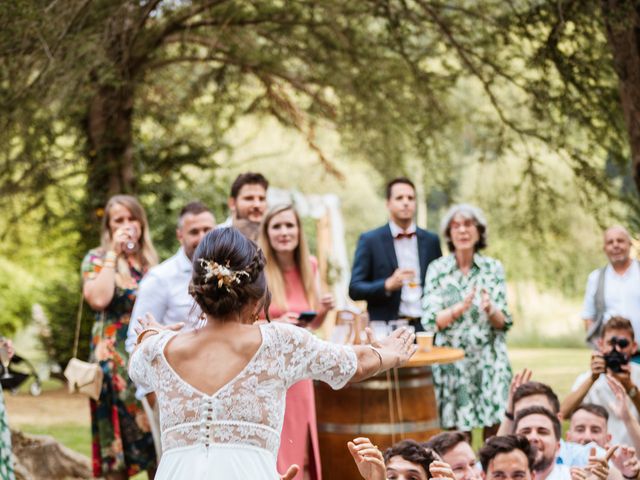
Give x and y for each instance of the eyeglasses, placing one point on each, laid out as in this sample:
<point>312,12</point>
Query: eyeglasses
<point>619,341</point>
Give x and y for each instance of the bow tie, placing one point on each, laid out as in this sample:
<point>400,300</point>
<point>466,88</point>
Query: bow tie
<point>405,235</point>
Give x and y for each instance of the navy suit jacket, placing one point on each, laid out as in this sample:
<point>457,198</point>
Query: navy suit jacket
<point>375,260</point>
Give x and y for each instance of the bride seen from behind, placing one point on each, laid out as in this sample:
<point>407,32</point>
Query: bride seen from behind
<point>221,388</point>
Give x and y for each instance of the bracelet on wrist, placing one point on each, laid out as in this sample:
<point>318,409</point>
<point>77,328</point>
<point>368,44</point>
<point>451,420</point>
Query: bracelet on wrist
<point>508,415</point>
<point>377,352</point>
<point>110,256</point>
<point>142,334</point>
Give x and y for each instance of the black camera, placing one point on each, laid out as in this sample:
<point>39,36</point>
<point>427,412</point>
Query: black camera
<point>614,360</point>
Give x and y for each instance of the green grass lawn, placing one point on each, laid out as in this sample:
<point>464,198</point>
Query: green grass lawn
<point>556,366</point>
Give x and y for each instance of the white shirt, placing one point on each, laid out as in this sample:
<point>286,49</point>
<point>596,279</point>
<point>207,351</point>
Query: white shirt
<point>407,255</point>
<point>164,292</point>
<point>227,223</point>
<point>601,394</point>
<point>559,472</point>
<point>621,295</point>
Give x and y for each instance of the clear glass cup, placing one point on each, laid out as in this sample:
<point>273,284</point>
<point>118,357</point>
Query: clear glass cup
<point>380,328</point>
<point>131,245</point>
<point>395,324</point>
<point>5,358</point>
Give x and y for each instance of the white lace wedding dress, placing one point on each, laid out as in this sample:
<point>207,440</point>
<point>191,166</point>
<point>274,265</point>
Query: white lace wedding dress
<point>235,433</point>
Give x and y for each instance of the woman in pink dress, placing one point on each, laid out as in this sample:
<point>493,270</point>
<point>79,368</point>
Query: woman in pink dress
<point>292,276</point>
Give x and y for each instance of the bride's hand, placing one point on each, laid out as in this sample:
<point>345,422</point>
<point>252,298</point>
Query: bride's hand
<point>149,322</point>
<point>399,342</point>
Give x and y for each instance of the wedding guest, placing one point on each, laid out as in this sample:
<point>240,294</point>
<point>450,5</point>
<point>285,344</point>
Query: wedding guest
<point>294,282</point>
<point>454,448</point>
<point>465,302</point>
<point>6,458</point>
<point>391,261</point>
<point>122,442</point>
<point>404,460</point>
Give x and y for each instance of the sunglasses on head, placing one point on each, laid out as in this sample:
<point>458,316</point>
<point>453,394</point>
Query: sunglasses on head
<point>619,341</point>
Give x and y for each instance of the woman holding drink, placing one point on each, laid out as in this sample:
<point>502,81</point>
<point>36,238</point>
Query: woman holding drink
<point>465,302</point>
<point>122,442</point>
<point>292,277</point>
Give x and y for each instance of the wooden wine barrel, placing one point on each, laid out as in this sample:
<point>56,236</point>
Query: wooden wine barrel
<point>386,408</point>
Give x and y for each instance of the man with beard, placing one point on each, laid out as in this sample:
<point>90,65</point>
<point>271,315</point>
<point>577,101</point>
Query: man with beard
<point>247,202</point>
<point>454,448</point>
<point>164,290</point>
<point>508,457</point>
<point>542,428</point>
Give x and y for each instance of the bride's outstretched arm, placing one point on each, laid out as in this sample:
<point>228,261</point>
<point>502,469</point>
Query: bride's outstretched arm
<point>378,356</point>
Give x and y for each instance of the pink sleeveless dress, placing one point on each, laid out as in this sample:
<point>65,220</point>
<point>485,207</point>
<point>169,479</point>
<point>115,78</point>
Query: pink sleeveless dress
<point>300,427</point>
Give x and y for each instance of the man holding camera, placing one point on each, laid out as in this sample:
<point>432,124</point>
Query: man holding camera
<point>615,348</point>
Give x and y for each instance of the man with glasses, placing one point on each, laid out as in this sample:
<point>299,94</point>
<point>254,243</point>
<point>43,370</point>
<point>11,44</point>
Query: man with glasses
<point>615,348</point>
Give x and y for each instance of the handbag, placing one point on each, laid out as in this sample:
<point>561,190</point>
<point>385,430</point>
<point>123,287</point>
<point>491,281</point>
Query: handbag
<point>83,377</point>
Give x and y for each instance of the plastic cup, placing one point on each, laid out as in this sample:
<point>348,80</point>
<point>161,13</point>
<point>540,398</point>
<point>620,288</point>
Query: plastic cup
<point>424,341</point>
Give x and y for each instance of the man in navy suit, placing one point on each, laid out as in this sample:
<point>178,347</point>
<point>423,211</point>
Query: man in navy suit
<point>391,261</point>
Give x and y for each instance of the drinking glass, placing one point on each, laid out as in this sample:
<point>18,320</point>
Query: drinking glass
<point>395,324</point>
<point>380,328</point>
<point>131,245</point>
<point>4,357</point>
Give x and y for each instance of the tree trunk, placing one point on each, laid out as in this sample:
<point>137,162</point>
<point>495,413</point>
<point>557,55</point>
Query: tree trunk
<point>622,22</point>
<point>109,134</point>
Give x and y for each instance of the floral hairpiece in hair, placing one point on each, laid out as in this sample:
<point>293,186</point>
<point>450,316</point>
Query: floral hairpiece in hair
<point>224,275</point>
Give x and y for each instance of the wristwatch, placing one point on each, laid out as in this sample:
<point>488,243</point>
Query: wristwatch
<point>632,392</point>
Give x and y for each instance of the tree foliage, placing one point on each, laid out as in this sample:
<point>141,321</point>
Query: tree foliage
<point>139,96</point>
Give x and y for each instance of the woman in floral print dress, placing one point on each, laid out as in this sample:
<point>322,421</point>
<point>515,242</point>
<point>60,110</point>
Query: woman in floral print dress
<point>122,442</point>
<point>465,303</point>
<point>6,460</point>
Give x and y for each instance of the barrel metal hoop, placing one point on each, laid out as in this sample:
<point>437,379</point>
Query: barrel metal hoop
<point>378,428</point>
<point>386,385</point>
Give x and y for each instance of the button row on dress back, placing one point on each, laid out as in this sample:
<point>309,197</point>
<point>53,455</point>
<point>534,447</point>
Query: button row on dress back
<point>206,415</point>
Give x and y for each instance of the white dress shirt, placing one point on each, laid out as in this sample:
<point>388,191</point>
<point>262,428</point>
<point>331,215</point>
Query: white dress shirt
<point>407,255</point>
<point>601,394</point>
<point>621,295</point>
<point>164,292</point>
<point>559,472</point>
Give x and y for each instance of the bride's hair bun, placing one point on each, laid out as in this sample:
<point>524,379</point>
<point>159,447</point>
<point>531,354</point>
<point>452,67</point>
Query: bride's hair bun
<point>228,272</point>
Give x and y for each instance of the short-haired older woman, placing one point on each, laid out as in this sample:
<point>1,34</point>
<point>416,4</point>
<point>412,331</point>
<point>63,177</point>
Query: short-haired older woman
<point>465,303</point>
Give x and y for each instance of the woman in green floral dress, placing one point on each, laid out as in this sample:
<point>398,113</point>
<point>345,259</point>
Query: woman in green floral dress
<point>465,303</point>
<point>122,442</point>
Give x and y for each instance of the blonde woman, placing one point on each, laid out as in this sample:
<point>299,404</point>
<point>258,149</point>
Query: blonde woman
<point>292,277</point>
<point>122,442</point>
